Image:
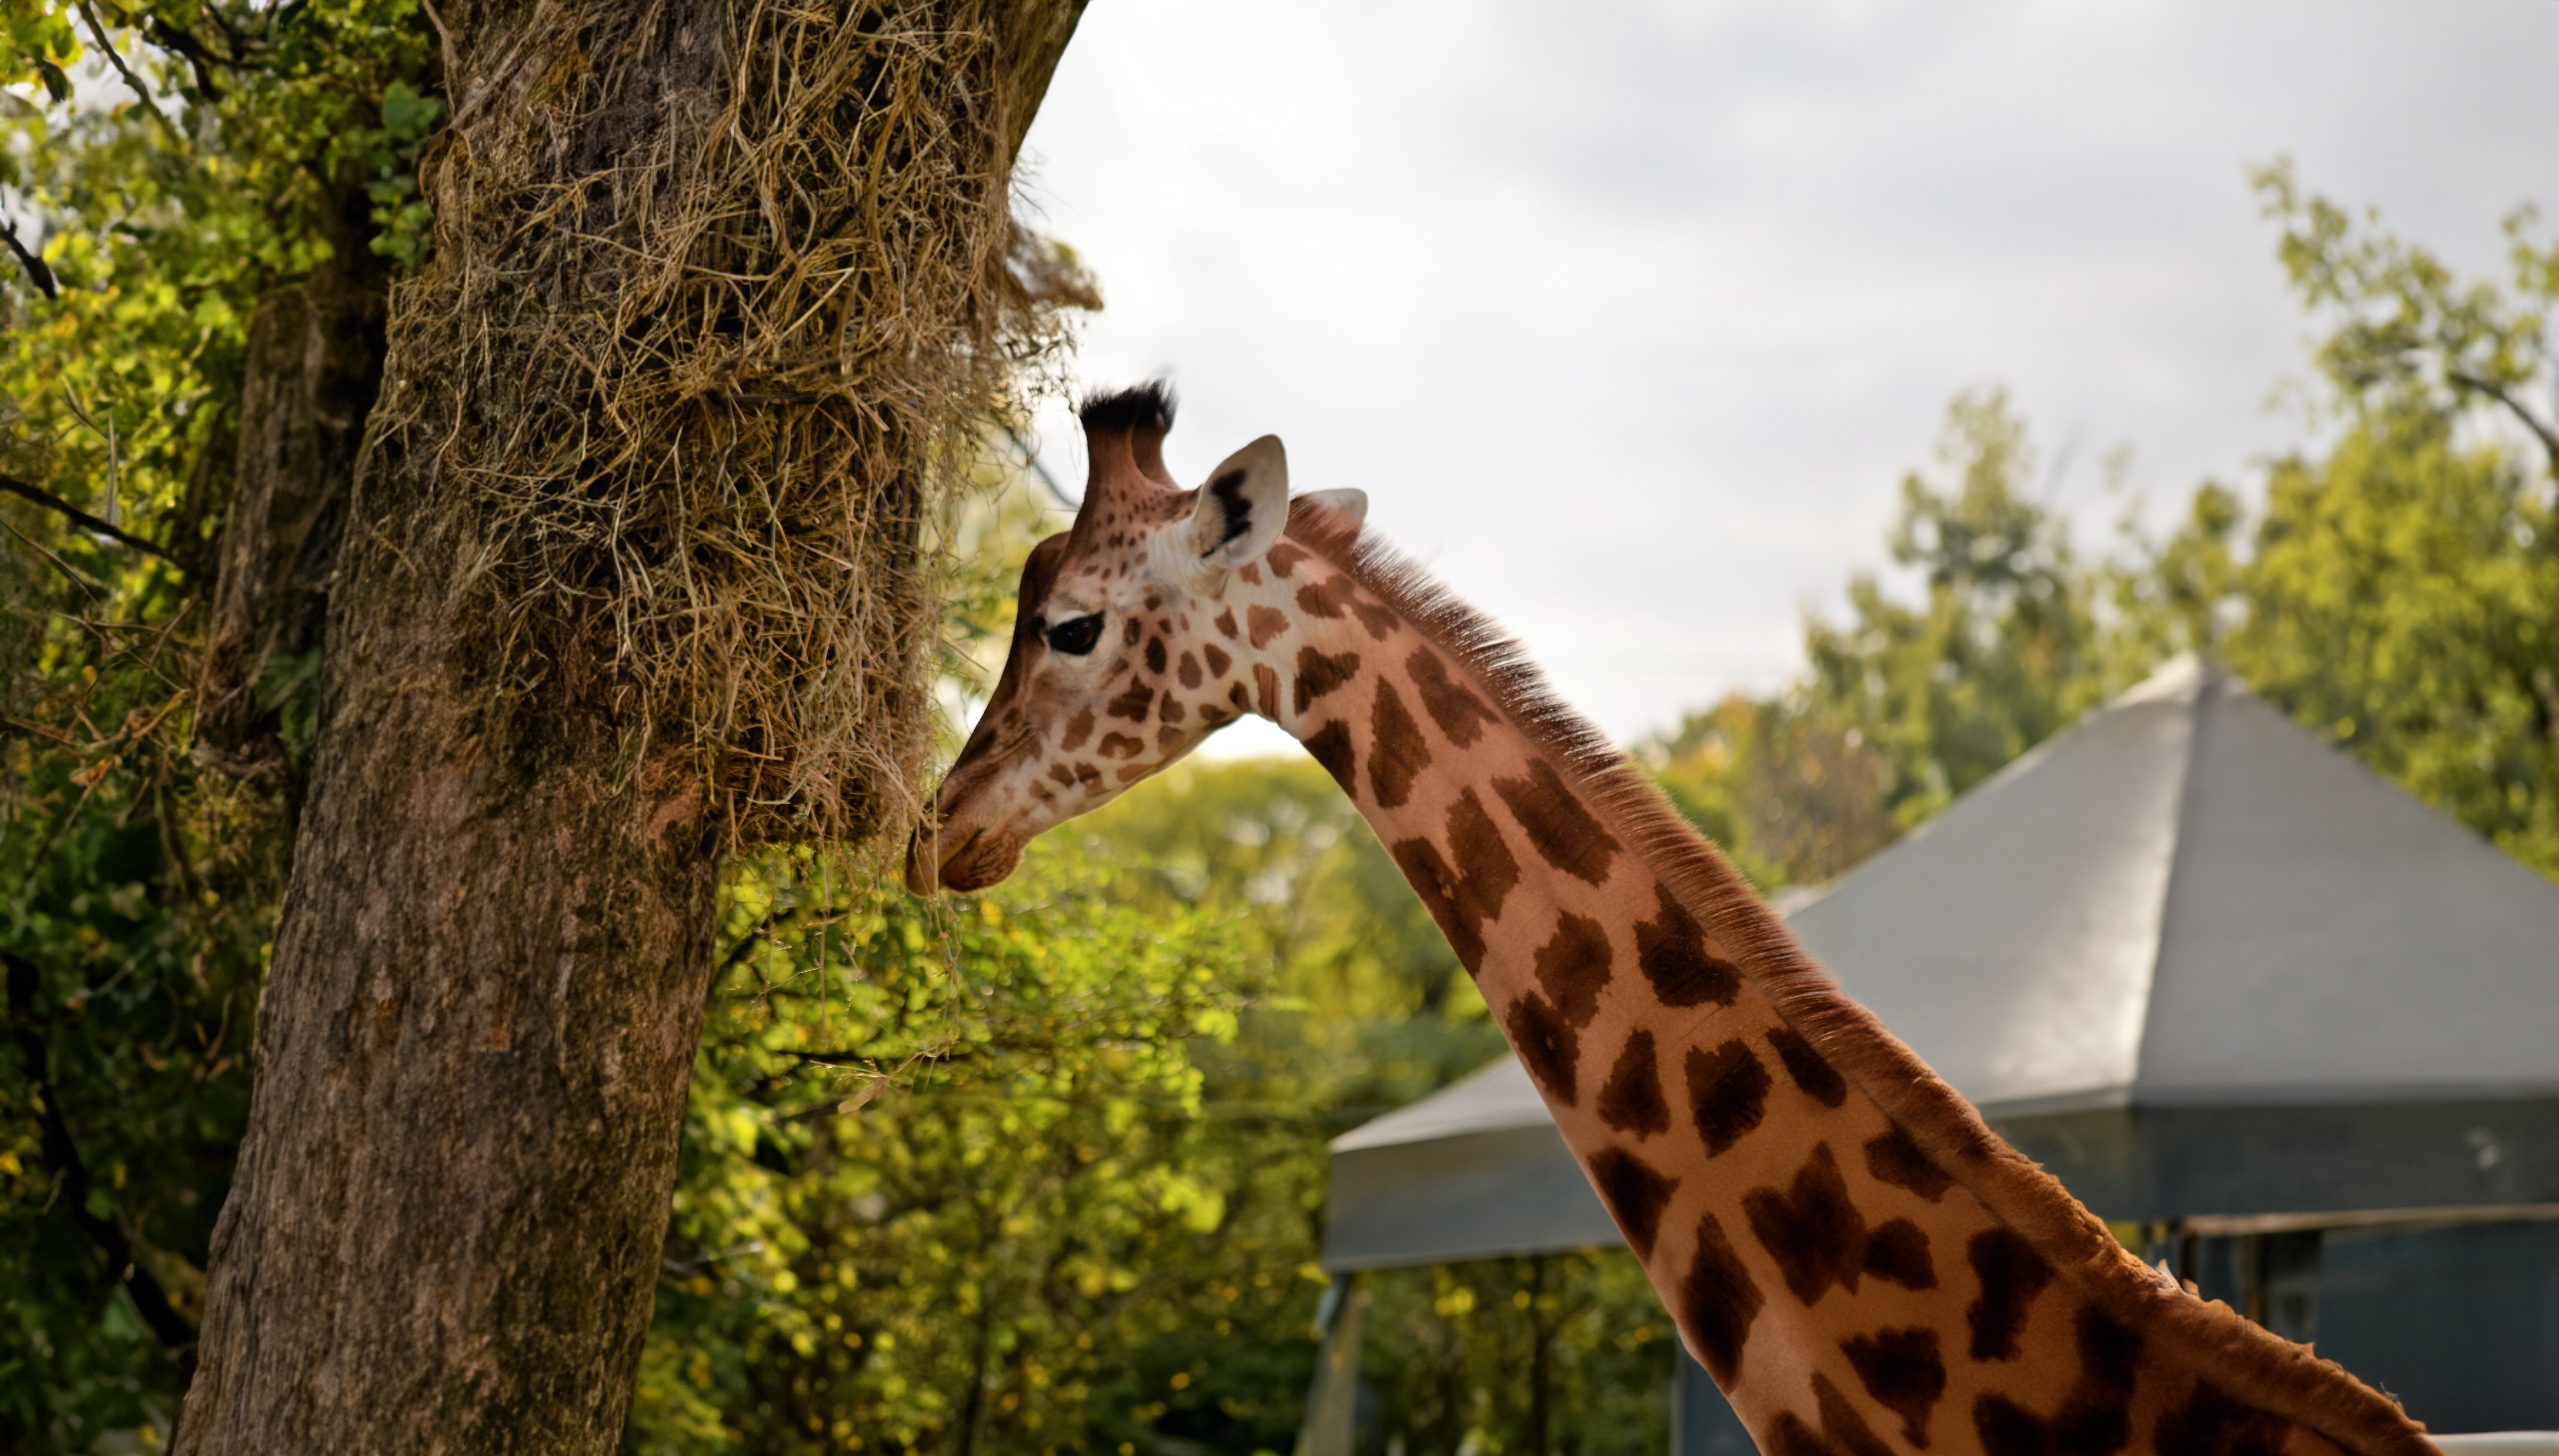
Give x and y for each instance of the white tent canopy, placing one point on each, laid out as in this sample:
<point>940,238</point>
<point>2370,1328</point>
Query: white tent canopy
<point>2193,958</point>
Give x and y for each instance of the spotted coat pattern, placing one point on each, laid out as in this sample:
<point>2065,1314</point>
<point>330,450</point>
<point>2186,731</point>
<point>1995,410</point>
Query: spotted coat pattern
<point>1849,1294</point>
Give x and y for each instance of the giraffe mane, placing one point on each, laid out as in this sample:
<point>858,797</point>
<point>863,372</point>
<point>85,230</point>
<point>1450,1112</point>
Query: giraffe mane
<point>2235,1355</point>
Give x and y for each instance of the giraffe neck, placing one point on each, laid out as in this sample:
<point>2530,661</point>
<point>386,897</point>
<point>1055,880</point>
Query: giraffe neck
<point>1859,1264</point>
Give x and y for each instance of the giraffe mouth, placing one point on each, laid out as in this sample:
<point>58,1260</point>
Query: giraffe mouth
<point>985,857</point>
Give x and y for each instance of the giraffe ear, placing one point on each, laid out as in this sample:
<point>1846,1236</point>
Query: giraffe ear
<point>1244,506</point>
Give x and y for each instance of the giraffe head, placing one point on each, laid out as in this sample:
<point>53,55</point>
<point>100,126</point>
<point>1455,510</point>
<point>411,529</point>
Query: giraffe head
<point>1116,669</point>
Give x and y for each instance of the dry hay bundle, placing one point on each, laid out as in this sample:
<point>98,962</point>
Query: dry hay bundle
<point>723,295</point>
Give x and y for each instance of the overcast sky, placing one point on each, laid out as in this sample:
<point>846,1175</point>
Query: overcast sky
<point>1629,317</point>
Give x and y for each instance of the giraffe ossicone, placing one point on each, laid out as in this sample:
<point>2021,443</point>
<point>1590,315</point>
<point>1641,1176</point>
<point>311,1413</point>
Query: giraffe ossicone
<point>1859,1262</point>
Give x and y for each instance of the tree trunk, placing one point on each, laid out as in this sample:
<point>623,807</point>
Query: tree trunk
<point>313,368</point>
<point>478,1026</point>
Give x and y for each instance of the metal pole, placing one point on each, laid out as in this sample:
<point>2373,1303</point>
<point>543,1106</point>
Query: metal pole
<point>1332,1399</point>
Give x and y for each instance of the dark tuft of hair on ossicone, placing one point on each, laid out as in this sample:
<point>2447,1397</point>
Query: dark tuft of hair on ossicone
<point>1146,407</point>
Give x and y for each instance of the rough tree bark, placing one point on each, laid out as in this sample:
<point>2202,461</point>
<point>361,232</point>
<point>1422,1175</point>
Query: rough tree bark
<point>313,368</point>
<point>486,988</point>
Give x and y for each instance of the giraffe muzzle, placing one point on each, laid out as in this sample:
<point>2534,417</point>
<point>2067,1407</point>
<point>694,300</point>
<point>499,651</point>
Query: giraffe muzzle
<point>983,857</point>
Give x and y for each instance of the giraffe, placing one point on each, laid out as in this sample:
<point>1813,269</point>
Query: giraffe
<point>1861,1264</point>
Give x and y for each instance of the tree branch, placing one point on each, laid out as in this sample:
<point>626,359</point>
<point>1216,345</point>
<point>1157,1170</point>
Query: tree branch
<point>198,57</point>
<point>863,1059</point>
<point>115,59</point>
<point>2548,437</point>
<point>63,1157</point>
<point>83,519</point>
<point>38,272</point>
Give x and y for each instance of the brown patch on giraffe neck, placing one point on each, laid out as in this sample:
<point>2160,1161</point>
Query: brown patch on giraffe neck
<point>2097,1415</point>
<point>1380,621</point>
<point>1262,624</point>
<point>1815,1078</point>
<point>1547,1044</point>
<point>1817,1237</point>
<point>1904,1371</point>
<point>1631,1100</point>
<point>1634,1193</point>
<point>2210,1423</point>
<point>1813,1230</point>
<point>1728,1092</point>
<point>1845,1429</point>
<point>1671,950</point>
<point>1459,713</point>
<point>1572,966</point>
<point>1897,1253</point>
<point>1462,896</point>
<point>1322,598</point>
<point>1318,674</point>
<point>1718,1300</point>
<point>2012,1274</point>
<point>1558,829</point>
<point>1397,751</point>
<point>1331,747</point>
<point>1894,1158</point>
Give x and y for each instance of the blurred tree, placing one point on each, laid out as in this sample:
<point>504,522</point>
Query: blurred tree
<point>946,1170</point>
<point>2402,588</point>
<point>1557,1355</point>
<point>2004,651</point>
<point>2403,332</point>
<point>2179,593</point>
<point>2401,597</point>
<point>1786,785</point>
<point>214,159</point>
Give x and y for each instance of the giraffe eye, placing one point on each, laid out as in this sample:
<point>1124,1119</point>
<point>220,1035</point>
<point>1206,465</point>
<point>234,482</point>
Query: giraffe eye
<point>1076,638</point>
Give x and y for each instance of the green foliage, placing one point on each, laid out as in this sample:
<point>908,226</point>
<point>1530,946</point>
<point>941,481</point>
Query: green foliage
<point>2003,652</point>
<point>1482,1355</point>
<point>941,1166</point>
<point>2403,596</point>
<point>2403,329</point>
<point>134,911</point>
<point>1787,785</point>
<point>137,894</point>
<point>400,217</point>
<point>1082,1231</point>
<point>40,44</point>
<point>2402,593</point>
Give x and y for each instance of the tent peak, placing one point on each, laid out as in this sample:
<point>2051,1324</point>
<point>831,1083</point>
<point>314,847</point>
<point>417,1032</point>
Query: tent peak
<point>2179,679</point>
